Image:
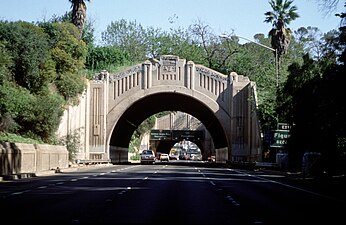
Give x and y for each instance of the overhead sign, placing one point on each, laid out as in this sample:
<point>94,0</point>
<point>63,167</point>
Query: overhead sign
<point>177,135</point>
<point>160,135</point>
<point>189,135</point>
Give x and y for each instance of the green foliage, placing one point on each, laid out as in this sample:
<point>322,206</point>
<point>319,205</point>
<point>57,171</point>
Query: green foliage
<point>45,116</point>
<point>142,129</point>
<point>16,102</point>
<point>70,85</point>
<point>135,157</point>
<point>5,63</point>
<point>67,50</point>
<point>72,143</point>
<point>258,64</point>
<point>138,43</point>
<point>186,47</point>
<point>146,125</point>
<point>68,55</point>
<point>313,101</point>
<point>105,58</point>
<point>128,37</point>
<point>135,143</point>
<point>28,46</point>
<point>14,138</point>
<point>39,113</point>
<point>282,14</point>
<point>39,72</point>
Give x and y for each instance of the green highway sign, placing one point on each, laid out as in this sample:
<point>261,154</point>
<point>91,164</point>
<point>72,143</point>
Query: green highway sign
<point>280,136</point>
<point>160,135</point>
<point>191,135</point>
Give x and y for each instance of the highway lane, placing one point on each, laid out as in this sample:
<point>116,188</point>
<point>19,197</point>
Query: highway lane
<point>274,199</point>
<point>160,193</point>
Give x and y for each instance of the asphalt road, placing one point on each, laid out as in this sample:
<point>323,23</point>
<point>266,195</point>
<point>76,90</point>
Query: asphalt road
<point>167,193</point>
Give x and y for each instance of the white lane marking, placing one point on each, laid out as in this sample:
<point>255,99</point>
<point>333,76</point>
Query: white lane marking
<point>42,187</point>
<point>234,202</point>
<point>290,186</point>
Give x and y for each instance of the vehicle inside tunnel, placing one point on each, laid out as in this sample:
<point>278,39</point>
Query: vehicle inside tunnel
<point>182,150</point>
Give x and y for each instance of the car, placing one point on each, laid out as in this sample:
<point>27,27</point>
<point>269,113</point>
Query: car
<point>173,157</point>
<point>164,157</point>
<point>147,157</point>
<point>196,157</point>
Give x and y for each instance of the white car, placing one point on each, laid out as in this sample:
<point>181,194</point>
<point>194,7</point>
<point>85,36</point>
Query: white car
<point>147,157</point>
<point>164,157</point>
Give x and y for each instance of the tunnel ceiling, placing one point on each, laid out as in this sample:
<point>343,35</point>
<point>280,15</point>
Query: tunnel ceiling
<point>152,104</point>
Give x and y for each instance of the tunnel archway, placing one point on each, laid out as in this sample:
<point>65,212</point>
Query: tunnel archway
<point>149,105</point>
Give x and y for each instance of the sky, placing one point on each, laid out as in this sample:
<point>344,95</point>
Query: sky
<point>244,18</point>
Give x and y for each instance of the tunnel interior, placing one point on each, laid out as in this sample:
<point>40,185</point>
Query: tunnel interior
<point>155,103</point>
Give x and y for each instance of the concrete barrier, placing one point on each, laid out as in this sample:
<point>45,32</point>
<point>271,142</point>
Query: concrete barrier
<point>18,159</point>
<point>50,157</point>
<point>221,155</point>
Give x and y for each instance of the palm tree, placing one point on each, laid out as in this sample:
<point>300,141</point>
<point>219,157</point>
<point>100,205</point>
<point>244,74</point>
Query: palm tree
<point>79,13</point>
<point>281,16</point>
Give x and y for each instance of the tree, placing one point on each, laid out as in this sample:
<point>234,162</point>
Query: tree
<point>40,69</point>
<point>68,54</point>
<point>206,39</point>
<point>88,30</point>
<point>105,58</point>
<point>283,13</point>
<point>79,14</point>
<point>255,62</point>
<point>5,62</point>
<point>28,48</point>
<point>129,37</point>
<point>328,6</point>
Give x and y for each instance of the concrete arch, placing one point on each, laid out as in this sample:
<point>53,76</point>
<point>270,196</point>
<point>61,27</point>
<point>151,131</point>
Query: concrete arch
<point>115,104</point>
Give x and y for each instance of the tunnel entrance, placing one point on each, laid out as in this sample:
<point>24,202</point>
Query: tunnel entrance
<point>152,104</point>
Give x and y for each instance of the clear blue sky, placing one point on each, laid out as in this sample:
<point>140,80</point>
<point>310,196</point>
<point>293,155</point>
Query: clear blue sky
<point>244,17</point>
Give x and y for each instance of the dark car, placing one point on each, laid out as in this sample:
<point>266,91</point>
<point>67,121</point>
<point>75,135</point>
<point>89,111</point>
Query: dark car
<point>147,157</point>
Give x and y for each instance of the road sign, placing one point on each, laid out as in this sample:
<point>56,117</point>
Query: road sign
<point>283,126</point>
<point>189,135</point>
<point>177,135</point>
<point>160,135</point>
<point>281,135</point>
<point>280,138</point>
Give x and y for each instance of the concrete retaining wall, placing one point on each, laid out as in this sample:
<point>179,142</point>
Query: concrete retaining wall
<point>221,155</point>
<point>19,158</point>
